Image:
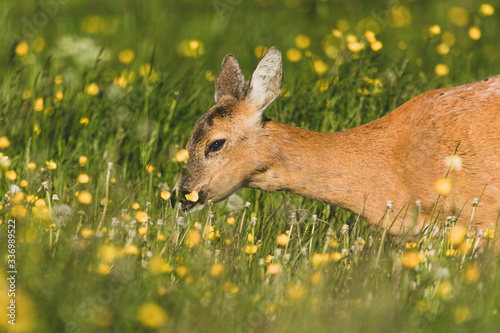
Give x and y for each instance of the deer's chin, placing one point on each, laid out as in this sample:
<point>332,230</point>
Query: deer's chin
<point>196,208</point>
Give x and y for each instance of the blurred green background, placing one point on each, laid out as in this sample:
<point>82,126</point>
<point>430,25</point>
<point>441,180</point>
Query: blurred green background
<point>123,82</point>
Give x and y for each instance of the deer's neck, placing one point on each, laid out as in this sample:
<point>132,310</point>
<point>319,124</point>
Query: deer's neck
<point>337,168</point>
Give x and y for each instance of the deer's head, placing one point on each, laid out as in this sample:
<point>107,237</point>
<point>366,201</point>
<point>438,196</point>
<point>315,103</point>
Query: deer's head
<point>225,147</point>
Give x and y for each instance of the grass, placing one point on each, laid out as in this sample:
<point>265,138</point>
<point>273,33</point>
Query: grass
<point>151,267</point>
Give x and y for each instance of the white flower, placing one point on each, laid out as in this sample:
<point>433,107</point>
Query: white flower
<point>453,162</point>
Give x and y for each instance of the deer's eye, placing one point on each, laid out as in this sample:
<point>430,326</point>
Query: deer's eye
<point>216,145</point>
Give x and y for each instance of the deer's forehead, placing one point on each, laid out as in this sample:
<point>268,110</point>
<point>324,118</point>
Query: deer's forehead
<point>221,117</point>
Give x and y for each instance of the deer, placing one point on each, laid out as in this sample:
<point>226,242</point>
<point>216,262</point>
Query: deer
<point>398,157</point>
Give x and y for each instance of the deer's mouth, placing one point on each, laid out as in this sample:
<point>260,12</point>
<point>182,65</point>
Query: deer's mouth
<point>188,205</point>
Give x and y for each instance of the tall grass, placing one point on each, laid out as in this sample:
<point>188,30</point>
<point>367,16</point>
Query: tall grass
<point>153,267</point>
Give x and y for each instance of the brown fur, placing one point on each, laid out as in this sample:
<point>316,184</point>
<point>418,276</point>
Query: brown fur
<point>398,157</point>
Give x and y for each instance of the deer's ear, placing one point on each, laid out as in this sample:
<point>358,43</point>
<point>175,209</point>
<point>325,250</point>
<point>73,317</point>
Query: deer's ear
<point>230,81</point>
<point>266,81</point>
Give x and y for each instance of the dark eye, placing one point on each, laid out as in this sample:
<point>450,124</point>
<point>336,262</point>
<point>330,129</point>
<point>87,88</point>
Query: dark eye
<point>216,145</point>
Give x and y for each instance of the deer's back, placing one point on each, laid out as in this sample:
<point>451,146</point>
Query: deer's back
<point>436,124</point>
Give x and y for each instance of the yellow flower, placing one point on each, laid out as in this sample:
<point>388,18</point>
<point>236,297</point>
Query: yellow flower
<point>458,16</point>
<point>370,36</point>
<point>85,197</point>
<point>84,121</point>
<point>283,239</point>
<point>435,30</point>
<point>86,232</point>
<point>443,48</point>
<point>40,203</point>
<point>59,96</point>
<point>22,48</point>
<point>295,291</point>
<point>444,290</point>
<point>152,315</point>
<point>92,24</point>
<point>461,315</point>
<point>441,70</point>
<point>230,288</point>
<point>273,269</point>
<point>319,259</point>
<point>11,175</point>
<point>193,238</point>
<point>475,33</point>
<point>142,230</point>
<point>489,233</point>
<point>165,195</point>
<point>83,178</point>
<point>337,33</point>
<point>181,271</point>
<point>334,243</point>
<point>259,51</point>
<point>209,75</point>
<point>131,250</point>
<point>412,259</point>
<point>92,89</point>
<point>135,206</point>
<point>126,56</point>
<point>472,273</point>
<point>355,46</point>
<point>209,232</point>
<point>230,220</point>
<point>443,186</point>
<point>39,104</point>
<point>103,269</point>
<point>150,168</point>
<point>31,166</point>
<point>401,16</point>
<point>316,277</point>
<point>302,41</point>
<point>251,249</point>
<point>82,160</point>
<point>411,245</point>
<point>193,196</point>
<point>250,238</point>
<point>322,85</point>
<point>336,256</point>
<point>112,180</point>
<point>120,81</point>
<point>51,164</point>
<point>17,198</point>
<point>37,129</point>
<point>376,46</point>
<point>107,253</point>
<point>141,216</point>
<point>58,79</point>
<point>24,183</point>
<point>319,67</point>
<point>4,142</point>
<point>217,269</point>
<point>158,266</point>
<point>18,212</point>
<point>486,9</point>
<point>457,235</point>
<point>182,155</point>
<point>293,55</point>
<point>192,48</point>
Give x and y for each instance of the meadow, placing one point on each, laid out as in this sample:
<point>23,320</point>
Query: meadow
<point>98,100</point>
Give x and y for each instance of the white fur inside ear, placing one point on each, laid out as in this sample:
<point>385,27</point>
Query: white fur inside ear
<point>266,81</point>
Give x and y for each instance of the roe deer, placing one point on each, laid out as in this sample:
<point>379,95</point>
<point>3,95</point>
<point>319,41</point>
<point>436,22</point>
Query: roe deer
<point>398,157</point>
